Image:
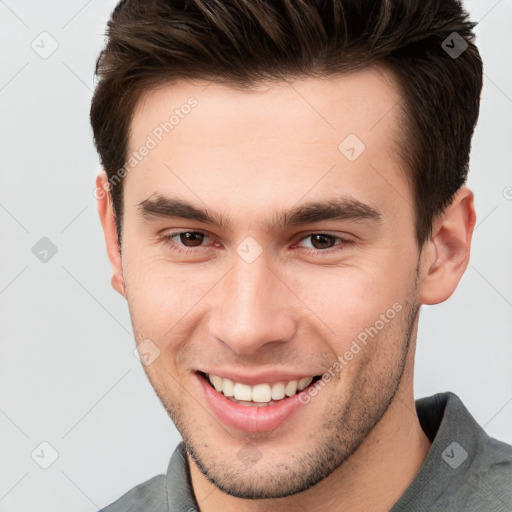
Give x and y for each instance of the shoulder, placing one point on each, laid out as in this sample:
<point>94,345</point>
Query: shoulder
<point>161,493</point>
<point>479,466</point>
<point>485,478</point>
<point>488,482</point>
<point>465,470</point>
<point>149,496</point>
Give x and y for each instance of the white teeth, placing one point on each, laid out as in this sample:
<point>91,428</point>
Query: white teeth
<point>278,391</point>
<point>241,391</point>
<point>306,381</point>
<point>260,393</point>
<point>228,387</point>
<point>216,381</point>
<point>291,388</point>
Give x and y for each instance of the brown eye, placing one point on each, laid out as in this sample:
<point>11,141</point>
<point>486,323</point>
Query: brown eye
<point>191,238</point>
<point>322,241</point>
<point>185,241</point>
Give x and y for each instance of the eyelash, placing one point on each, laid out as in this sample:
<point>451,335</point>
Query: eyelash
<point>168,239</point>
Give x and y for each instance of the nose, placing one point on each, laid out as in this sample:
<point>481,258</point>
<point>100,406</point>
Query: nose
<point>254,308</point>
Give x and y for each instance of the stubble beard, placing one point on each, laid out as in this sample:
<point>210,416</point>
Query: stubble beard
<point>342,432</point>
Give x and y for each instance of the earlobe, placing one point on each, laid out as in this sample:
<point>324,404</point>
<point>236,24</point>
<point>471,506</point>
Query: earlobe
<point>446,254</point>
<point>106,213</point>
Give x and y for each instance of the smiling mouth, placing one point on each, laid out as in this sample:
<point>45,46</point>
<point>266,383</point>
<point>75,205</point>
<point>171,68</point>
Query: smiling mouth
<point>260,395</point>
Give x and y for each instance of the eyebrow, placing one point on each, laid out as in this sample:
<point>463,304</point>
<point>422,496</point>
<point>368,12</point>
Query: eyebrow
<point>344,208</point>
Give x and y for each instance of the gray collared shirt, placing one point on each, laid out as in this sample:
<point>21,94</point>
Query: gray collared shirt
<point>465,470</point>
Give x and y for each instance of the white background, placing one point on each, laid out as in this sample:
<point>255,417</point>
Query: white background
<point>67,372</point>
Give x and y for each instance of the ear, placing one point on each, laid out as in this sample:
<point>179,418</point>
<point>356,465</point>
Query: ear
<point>106,213</point>
<point>446,255</point>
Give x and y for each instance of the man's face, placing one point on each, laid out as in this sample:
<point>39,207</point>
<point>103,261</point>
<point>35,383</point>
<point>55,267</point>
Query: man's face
<point>263,294</point>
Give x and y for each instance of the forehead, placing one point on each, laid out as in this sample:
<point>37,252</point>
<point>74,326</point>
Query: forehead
<point>271,144</point>
<point>357,102</point>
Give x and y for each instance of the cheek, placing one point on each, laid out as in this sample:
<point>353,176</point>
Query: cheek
<point>346,298</point>
<point>161,293</point>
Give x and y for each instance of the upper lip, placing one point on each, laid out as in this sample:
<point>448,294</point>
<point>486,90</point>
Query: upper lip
<point>268,376</point>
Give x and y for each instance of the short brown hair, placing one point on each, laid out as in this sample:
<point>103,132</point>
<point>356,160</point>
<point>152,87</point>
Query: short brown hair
<point>427,44</point>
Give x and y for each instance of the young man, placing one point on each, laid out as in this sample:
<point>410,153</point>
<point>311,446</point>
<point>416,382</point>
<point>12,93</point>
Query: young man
<point>284,189</point>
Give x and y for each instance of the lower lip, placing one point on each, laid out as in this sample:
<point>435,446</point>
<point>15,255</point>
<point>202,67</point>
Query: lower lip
<point>246,417</point>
